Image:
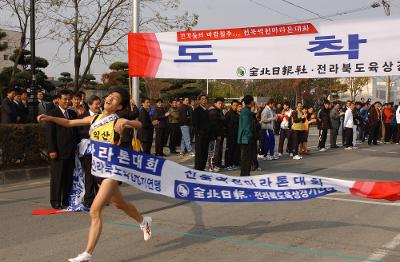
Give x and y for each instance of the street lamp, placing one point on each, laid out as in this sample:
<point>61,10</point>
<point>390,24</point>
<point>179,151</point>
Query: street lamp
<point>33,103</point>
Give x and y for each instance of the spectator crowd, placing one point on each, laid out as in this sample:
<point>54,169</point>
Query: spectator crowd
<point>219,135</point>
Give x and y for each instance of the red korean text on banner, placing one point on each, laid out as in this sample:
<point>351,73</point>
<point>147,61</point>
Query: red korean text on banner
<point>246,32</point>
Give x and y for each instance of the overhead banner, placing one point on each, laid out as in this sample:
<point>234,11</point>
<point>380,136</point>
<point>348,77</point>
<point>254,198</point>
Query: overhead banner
<point>332,49</point>
<point>157,175</point>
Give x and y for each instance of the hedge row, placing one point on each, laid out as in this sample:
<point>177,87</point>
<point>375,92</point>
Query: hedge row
<point>22,146</point>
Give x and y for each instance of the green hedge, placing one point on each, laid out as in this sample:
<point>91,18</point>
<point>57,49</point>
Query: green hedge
<point>23,146</point>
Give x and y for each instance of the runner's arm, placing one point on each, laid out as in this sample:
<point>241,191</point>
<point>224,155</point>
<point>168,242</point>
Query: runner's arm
<point>65,122</point>
<point>125,123</point>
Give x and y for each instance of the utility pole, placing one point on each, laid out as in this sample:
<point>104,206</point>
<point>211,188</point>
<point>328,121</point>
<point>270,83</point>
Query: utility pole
<point>389,83</point>
<point>135,28</point>
<point>33,103</point>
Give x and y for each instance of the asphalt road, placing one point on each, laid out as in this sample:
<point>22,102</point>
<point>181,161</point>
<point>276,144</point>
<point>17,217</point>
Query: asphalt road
<point>334,228</point>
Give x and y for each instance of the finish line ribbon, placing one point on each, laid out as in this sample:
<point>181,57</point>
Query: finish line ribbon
<point>157,175</point>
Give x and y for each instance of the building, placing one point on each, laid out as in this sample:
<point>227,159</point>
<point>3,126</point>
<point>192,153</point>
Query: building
<point>12,39</point>
<point>376,90</point>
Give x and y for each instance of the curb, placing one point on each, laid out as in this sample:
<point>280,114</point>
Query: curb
<point>18,175</point>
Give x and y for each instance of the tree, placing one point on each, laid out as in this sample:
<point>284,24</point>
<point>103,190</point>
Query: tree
<point>119,66</point>
<point>21,10</point>
<point>355,85</point>
<point>178,88</point>
<point>100,25</point>
<point>65,78</point>
<point>118,76</point>
<point>24,59</point>
<point>3,46</point>
<point>22,78</point>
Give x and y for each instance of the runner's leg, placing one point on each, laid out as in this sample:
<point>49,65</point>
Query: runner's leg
<point>106,191</point>
<point>119,202</point>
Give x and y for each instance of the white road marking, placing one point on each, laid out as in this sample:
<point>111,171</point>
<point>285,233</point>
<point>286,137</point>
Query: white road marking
<point>361,201</point>
<point>367,149</point>
<point>392,152</point>
<point>383,251</point>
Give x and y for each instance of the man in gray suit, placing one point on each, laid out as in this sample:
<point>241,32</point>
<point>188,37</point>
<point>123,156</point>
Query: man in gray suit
<point>42,105</point>
<point>335,115</point>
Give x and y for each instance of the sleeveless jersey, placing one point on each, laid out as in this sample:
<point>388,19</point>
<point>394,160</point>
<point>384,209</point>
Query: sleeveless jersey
<point>105,133</point>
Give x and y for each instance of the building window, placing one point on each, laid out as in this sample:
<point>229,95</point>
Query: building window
<point>5,57</point>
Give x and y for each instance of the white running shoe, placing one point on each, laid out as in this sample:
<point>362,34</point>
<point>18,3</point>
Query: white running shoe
<point>276,157</point>
<point>297,157</point>
<point>146,228</point>
<point>192,154</point>
<point>84,257</point>
<point>260,156</point>
<point>355,147</point>
<point>348,148</point>
<point>291,154</point>
<point>279,155</point>
<point>322,149</point>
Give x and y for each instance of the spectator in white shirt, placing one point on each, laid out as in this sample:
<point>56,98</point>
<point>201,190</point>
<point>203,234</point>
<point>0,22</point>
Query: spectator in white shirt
<point>348,125</point>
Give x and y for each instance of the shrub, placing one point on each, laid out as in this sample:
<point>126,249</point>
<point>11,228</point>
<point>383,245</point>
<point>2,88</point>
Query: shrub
<point>22,145</point>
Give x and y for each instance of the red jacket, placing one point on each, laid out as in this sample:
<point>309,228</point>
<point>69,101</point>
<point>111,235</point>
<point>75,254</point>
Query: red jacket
<point>388,113</point>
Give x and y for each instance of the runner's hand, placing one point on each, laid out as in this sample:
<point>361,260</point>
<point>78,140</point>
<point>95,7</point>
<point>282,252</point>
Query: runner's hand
<point>43,117</point>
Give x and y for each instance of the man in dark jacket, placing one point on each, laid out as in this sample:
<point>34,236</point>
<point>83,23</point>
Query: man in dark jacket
<point>161,115</point>
<point>201,128</point>
<point>23,107</point>
<point>145,133</point>
<point>232,152</point>
<point>8,108</point>
<point>91,186</point>
<point>374,121</point>
<point>246,136</point>
<point>174,130</point>
<point>324,123</point>
<point>216,119</point>
<point>335,115</point>
<point>184,123</point>
<point>62,144</point>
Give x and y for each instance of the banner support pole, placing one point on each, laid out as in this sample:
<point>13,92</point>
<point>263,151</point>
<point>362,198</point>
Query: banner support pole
<point>135,29</point>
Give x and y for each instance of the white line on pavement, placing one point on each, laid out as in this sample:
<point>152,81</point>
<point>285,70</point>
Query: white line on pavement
<point>382,252</point>
<point>367,149</point>
<point>361,201</point>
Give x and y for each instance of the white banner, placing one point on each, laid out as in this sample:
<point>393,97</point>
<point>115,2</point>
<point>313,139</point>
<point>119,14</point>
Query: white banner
<point>157,175</point>
<point>332,49</point>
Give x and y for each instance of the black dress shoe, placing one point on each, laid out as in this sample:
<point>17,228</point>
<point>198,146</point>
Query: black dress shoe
<point>56,206</point>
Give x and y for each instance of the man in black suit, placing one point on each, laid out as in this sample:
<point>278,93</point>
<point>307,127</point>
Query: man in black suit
<point>8,108</point>
<point>91,186</point>
<point>145,133</point>
<point>62,143</point>
<point>23,107</point>
<point>232,152</point>
<point>201,128</point>
<point>54,104</point>
<point>161,115</point>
